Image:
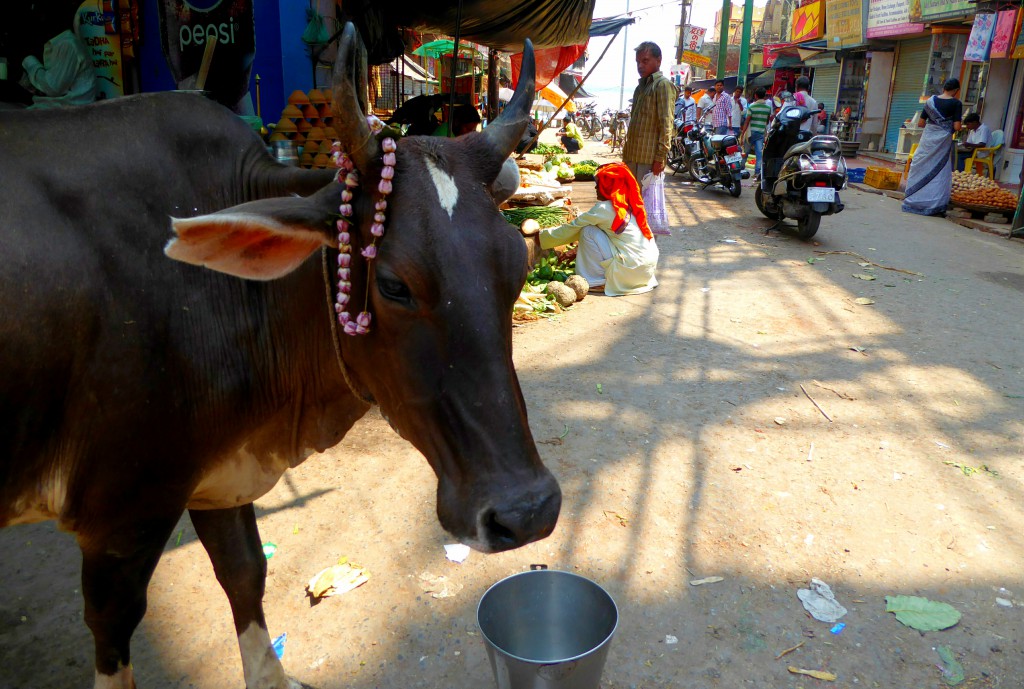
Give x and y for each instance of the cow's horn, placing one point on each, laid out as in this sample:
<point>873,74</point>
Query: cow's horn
<point>504,133</point>
<point>349,73</point>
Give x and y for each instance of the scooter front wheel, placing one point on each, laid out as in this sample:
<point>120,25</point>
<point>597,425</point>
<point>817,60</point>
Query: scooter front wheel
<point>807,226</point>
<point>765,211</point>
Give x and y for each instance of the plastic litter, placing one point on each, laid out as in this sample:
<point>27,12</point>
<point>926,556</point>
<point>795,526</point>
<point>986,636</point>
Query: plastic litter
<point>669,639</point>
<point>456,552</point>
<point>838,629</point>
<point>278,645</point>
<point>269,549</point>
<point>820,602</point>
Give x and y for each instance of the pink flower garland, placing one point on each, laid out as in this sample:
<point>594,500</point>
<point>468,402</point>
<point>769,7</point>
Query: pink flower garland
<point>360,325</point>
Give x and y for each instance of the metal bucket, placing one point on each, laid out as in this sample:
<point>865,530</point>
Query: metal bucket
<point>547,629</point>
<point>286,153</point>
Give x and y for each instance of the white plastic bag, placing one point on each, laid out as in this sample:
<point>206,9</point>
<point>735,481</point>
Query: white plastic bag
<point>653,187</point>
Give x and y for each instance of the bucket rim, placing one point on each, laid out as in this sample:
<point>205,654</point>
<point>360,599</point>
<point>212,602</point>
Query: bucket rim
<point>604,642</point>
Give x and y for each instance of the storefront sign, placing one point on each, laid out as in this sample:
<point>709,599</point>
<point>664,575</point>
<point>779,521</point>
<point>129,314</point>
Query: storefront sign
<point>693,38</point>
<point>808,22</point>
<point>890,18</point>
<point>1002,42</point>
<point>845,23</point>
<point>696,59</point>
<point>769,56</point>
<point>930,10</point>
<point>189,26</point>
<point>980,42</point>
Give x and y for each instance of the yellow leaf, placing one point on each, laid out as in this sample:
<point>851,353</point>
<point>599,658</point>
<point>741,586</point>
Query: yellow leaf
<point>816,674</point>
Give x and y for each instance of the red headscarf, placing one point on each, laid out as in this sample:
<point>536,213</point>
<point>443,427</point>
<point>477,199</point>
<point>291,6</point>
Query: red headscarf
<point>616,183</point>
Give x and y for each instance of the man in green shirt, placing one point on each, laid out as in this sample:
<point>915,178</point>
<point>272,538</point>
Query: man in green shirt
<point>650,121</point>
<point>756,123</point>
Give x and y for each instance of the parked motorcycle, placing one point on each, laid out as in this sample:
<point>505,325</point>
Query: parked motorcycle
<point>718,160</point>
<point>801,174</point>
<point>685,145</point>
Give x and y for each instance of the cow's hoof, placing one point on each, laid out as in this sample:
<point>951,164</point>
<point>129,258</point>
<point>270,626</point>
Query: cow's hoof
<point>296,684</point>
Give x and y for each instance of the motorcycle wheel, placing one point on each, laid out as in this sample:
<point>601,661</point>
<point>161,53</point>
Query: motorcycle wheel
<point>699,170</point>
<point>735,188</point>
<point>759,202</point>
<point>807,227</point>
<point>676,160</point>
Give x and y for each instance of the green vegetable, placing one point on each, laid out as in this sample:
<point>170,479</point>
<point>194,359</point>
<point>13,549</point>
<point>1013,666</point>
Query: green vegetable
<point>592,163</point>
<point>544,215</point>
<point>548,165</point>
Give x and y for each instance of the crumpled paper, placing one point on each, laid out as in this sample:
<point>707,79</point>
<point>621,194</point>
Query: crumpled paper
<point>820,602</point>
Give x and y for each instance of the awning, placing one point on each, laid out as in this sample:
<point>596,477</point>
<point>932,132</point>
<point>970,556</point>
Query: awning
<point>609,27</point>
<point>412,70</point>
<point>567,82</point>
<point>730,82</point>
<point>556,97</point>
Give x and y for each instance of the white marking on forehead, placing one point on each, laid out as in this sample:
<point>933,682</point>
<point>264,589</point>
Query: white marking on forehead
<point>447,192</point>
<point>122,679</point>
<point>260,665</point>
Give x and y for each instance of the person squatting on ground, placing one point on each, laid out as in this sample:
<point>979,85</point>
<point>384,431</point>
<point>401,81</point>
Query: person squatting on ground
<point>651,118</point>
<point>570,135</point>
<point>617,252</point>
<point>930,179</point>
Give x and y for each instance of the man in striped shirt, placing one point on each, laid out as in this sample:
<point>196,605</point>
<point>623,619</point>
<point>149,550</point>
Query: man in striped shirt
<point>756,122</point>
<point>721,114</point>
<point>650,120</point>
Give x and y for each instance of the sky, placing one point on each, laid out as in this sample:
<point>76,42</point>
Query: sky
<point>655,21</point>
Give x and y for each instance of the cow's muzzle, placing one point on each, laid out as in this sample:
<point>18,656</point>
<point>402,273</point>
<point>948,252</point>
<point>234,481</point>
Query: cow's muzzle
<point>508,519</point>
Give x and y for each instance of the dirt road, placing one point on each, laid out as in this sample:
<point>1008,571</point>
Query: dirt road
<point>747,419</point>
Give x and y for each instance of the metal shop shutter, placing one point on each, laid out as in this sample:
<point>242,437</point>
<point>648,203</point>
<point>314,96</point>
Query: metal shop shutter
<point>911,66</point>
<point>825,87</point>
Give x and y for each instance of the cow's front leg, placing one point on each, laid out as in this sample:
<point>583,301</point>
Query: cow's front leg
<point>116,570</point>
<point>232,540</point>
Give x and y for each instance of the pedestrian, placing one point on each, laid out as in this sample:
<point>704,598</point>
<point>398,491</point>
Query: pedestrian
<point>739,108</point>
<point>617,253</point>
<point>705,104</point>
<point>755,123</point>
<point>804,100</point>
<point>650,119</point>
<point>686,107</point>
<point>721,114</point>
<point>977,137</point>
<point>822,119</point>
<point>930,179</point>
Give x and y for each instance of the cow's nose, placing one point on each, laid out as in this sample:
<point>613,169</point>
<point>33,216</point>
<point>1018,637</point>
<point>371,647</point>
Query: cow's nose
<point>527,517</point>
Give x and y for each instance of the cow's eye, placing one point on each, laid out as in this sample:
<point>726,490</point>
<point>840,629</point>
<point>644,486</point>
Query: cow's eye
<point>393,289</point>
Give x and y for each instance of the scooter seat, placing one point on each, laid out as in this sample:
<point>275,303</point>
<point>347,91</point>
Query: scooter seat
<point>826,144</point>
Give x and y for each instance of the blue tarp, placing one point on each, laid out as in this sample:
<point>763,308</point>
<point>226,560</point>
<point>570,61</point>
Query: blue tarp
<point>610,26</point>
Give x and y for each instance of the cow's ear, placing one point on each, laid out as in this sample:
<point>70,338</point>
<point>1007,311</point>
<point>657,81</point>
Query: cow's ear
<point>261,240</point>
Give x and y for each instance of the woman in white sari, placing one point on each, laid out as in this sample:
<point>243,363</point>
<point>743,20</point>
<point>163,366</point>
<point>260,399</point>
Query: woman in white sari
<point>930,179</point>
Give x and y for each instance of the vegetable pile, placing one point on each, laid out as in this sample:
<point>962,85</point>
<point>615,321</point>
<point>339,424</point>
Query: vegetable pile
<point>546,216</point>
<point>974,190</point>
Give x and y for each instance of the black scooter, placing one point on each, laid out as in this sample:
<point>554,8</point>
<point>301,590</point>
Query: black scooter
<point>801,174</point>
<point>718,160</point>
